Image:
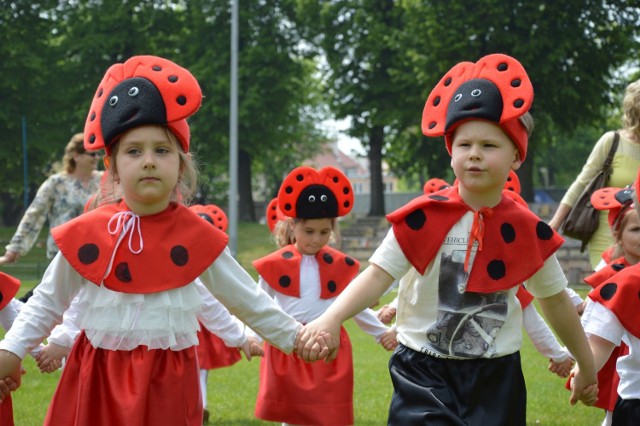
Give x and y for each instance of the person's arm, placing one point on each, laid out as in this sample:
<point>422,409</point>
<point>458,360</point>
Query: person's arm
<point>562,316</point>
<point>31,223</point>
<point>238,292</point>
<point>591,167</point>
<point>370,324</point>
<point>367,287</point>
<point>217,319</point>
<point>541,335</point>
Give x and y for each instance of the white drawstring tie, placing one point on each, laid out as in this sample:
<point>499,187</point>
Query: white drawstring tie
<point>124,223</point>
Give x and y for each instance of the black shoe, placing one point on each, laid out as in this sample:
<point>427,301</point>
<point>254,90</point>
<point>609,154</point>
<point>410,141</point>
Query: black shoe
<point>205,417</point>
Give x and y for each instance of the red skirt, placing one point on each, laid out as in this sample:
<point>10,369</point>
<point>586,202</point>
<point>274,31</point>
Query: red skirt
<point>297,392</point>
<point>213,353</point>
<point>6,412</point>
<point>138,387</point>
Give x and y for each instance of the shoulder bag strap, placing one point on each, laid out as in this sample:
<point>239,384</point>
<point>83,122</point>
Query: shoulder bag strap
<point>614,147</point>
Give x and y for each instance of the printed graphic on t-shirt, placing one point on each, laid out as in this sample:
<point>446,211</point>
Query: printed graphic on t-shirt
<point>467,323</point>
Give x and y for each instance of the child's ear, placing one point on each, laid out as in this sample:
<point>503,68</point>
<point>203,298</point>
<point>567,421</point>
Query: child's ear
<point>516,162</point>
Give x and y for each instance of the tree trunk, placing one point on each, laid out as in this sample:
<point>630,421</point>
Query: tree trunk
<point>376,140</point>
<point>246,210</point>
<point>525,174</point>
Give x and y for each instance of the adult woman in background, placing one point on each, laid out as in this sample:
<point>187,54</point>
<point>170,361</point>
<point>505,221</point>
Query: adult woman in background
<point>60,198</point>
<point>625,169</point>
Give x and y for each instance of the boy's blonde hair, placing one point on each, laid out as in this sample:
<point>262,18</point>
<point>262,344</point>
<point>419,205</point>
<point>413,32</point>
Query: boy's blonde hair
<point>187,179</point>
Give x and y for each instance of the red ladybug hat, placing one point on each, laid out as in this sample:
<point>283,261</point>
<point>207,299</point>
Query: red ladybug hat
<point>434,185</point>
<point>212,214</point>
<point>619,201</point>
<point>496,89</point>
<point>273,214</point>
<point>142,90</point>
<point>310,194</point>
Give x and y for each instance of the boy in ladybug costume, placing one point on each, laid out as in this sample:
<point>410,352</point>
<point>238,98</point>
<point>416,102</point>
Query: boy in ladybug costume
<point>459,322</point>
<point>304,277</point>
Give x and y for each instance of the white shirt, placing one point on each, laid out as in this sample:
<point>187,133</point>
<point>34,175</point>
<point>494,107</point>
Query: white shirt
<point>162,320</point>
<point>310,306</point>
<point>600,321</point>
<point>435,314</point>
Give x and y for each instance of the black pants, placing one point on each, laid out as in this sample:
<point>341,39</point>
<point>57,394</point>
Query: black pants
<point>626,412</point>
<point>435,391</point>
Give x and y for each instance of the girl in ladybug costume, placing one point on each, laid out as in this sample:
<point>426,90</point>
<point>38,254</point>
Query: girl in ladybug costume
<point>624,222</point>
<point>304,277</point>
<point>610,320</point>
<point>137,260</point>
<point>459,322</point>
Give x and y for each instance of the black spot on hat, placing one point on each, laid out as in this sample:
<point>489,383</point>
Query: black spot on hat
<point>508,232</point>
<point>439,197</point>
<point>608,290</point>
<point>284,281</point>
<point>331,285</point>
<point>544,231</point>
<point>179,255</point>
<point>416,219</point>
<point>88,253</point>
<point>617,267</point>
<point>496,269</point>
<point>327,258</point>
<point>1,297</point>
<point>349,261</point>
<point>287,255</point>
<point>122,272</point>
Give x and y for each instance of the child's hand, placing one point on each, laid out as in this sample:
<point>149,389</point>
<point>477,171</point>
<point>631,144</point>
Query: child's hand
<point>50,358</point>
<point>389,340</point>
<point>7,386</point>
<point>251,348</point>
<point>316,341</point>
<point>386,314</point>
<point>562,368</point>
<point>582,389</point>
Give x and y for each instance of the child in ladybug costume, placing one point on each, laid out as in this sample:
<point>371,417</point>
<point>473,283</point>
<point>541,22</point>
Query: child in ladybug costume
<point>459,322</point>
<point>624,222</point>
<point>137,261</point>
<point>304,277</point>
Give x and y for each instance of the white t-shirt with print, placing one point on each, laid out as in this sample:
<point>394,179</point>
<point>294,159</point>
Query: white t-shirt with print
<point>436,316</point>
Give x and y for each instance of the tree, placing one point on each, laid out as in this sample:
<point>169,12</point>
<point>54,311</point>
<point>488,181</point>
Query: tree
<point>365,73</point>
<point>571,50</point>
<point>278,98</point>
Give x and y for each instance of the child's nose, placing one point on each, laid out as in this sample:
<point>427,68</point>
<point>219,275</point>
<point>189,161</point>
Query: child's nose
<point>149,160</point>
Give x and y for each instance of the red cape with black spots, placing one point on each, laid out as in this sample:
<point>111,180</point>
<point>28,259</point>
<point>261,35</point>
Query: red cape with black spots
<point>516,241</point>
<point>281,270</point>
<point>178,247</point>
<point>602,275</point>
<point>621,295</point>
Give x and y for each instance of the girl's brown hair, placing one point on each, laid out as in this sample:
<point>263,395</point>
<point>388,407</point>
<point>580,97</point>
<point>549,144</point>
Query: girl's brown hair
<point>283,232</point>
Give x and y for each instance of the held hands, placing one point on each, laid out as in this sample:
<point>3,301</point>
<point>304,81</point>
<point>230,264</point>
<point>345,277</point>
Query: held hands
<point>582,388</point>
<point>386,314</point>
<point>251,348</point>
<point>561,368</point>
<point>389,340</point>
<point>318,340</point>
<point>50,358</point>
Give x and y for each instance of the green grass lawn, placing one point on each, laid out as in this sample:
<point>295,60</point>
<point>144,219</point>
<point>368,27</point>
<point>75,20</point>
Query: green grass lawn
<point>232,390</point>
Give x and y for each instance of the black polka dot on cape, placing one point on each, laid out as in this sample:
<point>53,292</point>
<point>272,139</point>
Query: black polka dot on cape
<point>608,290</point>
<point>88,253</point>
